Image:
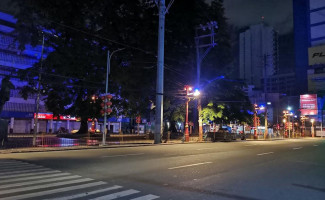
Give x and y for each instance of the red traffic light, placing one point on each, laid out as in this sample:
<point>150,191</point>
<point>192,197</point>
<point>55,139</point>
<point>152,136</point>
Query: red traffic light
<point>109,103</point>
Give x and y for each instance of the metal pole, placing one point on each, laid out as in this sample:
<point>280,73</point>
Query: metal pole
<point>106,91</point>
<point>38,93</point>
<point>255,124</point>
<point>160,74</point>
<point>265,131</point>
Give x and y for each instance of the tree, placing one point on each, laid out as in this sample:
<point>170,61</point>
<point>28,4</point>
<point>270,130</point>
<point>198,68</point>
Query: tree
<point>6,86</point>
<point>74,69</point>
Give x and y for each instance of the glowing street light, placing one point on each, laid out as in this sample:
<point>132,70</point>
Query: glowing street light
<point>312,127</point>
<point>196,92</point>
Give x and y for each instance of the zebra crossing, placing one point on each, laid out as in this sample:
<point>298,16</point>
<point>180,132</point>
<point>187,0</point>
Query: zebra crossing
<point>22,180</point>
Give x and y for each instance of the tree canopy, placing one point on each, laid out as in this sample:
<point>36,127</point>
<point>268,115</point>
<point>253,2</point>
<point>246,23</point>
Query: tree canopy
<point>79,34</point>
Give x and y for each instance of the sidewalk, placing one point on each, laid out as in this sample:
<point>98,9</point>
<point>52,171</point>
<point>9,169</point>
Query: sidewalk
<point>81,147</point>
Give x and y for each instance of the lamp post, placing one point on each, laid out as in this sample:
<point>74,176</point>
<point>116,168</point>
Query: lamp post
<point>109,56</point>
<point>312,127</point>
<point>186,133</point>
<point>196,93</point>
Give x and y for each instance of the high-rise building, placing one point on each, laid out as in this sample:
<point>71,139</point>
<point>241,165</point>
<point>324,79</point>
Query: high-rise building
<point>258,55</point>
<point>309,30</point>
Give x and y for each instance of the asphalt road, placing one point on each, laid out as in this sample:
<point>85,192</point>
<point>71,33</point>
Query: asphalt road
<point>283,169</point>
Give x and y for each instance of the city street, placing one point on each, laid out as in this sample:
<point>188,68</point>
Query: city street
<point>280,169</point>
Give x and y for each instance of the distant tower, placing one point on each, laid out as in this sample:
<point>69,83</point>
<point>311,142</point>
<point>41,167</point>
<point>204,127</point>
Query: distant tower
<point>258,54</point>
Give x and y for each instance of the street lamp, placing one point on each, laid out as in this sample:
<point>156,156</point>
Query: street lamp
<point>109,56</point>
<point>189,93</point>
<point>312,127</point>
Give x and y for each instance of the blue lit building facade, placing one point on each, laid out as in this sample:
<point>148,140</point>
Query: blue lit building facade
<point>18,111</point>
<point>309,31</point>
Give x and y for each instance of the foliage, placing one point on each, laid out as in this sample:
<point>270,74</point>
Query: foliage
<point>74,69</point>
<point>6,86</point>
<point>211,113</point>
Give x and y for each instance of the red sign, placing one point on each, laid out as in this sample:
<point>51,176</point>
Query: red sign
<point>50,116</point>
<point>308,104</point>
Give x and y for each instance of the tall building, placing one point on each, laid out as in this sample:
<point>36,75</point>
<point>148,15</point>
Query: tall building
<point>309,30</point>
<point>258,54</point>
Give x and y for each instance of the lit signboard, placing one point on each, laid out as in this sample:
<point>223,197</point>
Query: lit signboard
<point>316,55</point>
<point>50,116</point>
<point>308,104</point>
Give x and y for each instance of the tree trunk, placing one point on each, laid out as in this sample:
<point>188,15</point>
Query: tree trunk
<point>83,126</point>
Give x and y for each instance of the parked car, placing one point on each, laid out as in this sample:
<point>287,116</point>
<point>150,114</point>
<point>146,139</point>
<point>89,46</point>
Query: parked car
<point>222,134</point>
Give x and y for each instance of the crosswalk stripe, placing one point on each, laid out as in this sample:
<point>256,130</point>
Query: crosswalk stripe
<point>10,161</point>
<point>44,186</point>
<point>13,164</point>
<point>147,197</point>
<point>24,171</point>
<point>39,181</point>
<point>59,190</point>
<point>33,177</point>
<point>19,168</point>
<point>87,194</point>
<point>116,195</point>
<point>30,174</point>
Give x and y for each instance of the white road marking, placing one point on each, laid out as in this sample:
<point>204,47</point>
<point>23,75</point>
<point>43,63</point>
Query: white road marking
<point>204,149</point>
<point>315,145</point>
<point>84,194</point>
<point>147,197</point>
<point>117,195</point>
<point>30,174</point>
<point>196,164</point>
<point>34,177</point>
<point>39,181</point>
<point>250,145</point>
<point>123,155</point>
<point>296,148</point>
<point>24,171</point>
<point>59,190</point>
<point>19,168</point>
<point>10,161</point>
<point>44,186</point>
<point>261,154</point>
<point>13,164</point>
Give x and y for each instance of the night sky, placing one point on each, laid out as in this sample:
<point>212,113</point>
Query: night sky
<point>277,13</point>
<point>242,13</point>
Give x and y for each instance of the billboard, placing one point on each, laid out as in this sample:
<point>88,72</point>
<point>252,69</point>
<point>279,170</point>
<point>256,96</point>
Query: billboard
<point>308,104</point>
<point>316,55</point>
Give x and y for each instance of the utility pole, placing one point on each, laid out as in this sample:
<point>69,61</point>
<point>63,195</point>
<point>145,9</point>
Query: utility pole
<point>160,74</point>
<point>206,42</point>
<point>38,93</point>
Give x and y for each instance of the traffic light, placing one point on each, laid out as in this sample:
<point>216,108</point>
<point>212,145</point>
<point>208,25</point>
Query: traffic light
<point>258,121</point>
<point>106,105</point>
